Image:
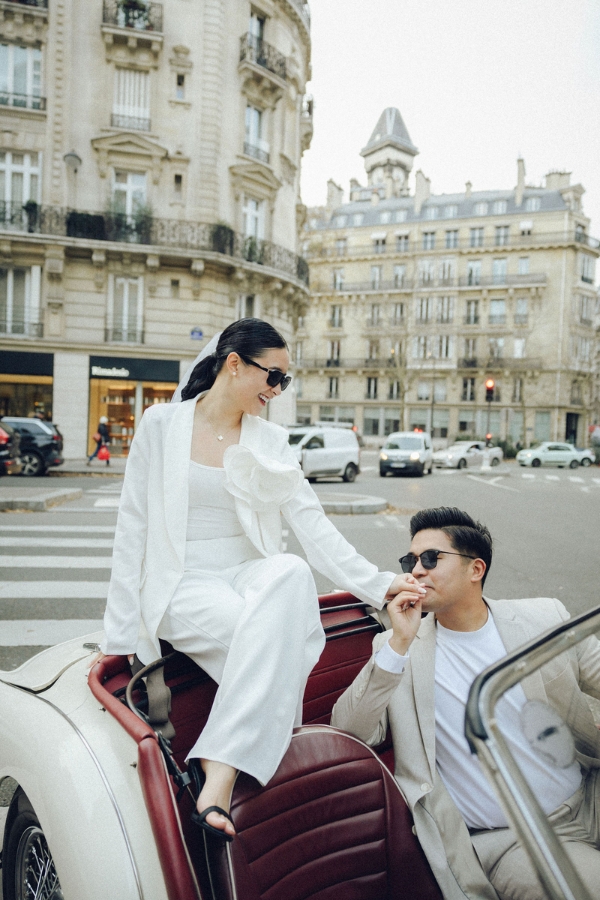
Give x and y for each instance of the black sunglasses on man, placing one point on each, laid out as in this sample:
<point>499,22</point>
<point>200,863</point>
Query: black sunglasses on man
<point>428,559</point>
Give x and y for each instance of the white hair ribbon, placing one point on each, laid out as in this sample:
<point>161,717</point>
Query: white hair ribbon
<point>206,351</point>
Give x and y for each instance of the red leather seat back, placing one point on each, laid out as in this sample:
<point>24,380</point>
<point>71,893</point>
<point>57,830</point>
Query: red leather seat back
<point>330,825</point>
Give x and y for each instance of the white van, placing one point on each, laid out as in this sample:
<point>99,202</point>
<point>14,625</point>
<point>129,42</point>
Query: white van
<point>326,450</point>
<point>406,451</point>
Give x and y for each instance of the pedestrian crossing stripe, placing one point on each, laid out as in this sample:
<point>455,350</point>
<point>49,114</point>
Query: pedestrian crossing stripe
<point>53,590</point>
<point>75,543</point>
<point>46,632</point>
<point>55,562</point>
<point>68,529</point>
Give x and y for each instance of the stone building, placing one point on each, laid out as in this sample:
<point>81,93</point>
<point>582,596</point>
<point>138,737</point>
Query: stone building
<point>418,298</point>
<point>149,195</point>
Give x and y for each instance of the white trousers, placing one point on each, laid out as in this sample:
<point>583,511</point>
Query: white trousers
<point>255,629</point>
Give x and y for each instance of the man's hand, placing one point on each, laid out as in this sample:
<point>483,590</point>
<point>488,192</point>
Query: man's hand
<point>404,611</point>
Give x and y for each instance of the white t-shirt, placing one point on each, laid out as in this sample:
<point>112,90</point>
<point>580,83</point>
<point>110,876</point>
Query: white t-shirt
<point>460,657</point>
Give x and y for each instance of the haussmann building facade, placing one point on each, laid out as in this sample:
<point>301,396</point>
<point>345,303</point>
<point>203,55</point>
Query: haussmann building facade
<point>418,299</point>
<point>149,195</point>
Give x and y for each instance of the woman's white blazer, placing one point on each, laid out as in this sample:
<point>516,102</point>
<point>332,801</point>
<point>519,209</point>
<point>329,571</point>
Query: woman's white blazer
<point>265,478</point>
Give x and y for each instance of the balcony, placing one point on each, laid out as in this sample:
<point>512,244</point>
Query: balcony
<point>468,362</point>
<point>499,362</point>
<point>257,52</point>
<point>364,286</point>
<point>503,280</point>
<point>471,320</point>
<point>497,320</point>
<point>20,328</point>
<point>123,336</point>
<point>256,152</point>
<point>39,4</point>
<point>523,318</point>
<point>130,123</point>
<point>146,230</point>
<point>133,14</point>
<point>22,101</point>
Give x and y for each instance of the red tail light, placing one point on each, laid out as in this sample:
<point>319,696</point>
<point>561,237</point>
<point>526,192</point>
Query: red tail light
<point>55,437</point>
<point>4,437</point>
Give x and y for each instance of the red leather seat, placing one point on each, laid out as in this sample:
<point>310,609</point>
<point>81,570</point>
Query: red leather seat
<point>331,825</point>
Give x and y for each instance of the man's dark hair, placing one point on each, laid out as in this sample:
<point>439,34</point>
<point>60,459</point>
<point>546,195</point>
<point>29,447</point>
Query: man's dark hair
<point>465,534</point>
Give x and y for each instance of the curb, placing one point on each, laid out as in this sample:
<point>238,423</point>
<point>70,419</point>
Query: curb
<point>352,504</point>
<point>36,499</point>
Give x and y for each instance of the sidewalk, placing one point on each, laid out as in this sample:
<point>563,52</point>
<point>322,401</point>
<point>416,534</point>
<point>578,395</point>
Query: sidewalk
<point>97,467</point>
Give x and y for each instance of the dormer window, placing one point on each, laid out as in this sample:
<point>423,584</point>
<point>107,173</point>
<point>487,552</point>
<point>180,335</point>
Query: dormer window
<point>532,204</point>
<point>480,209</point>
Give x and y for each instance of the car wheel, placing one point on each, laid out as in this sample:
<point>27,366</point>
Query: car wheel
<point>32,465</point>
<point>462,464</point>
<point>28,869</point>
<point>586,461</point>
<point>536,463</point>
<point>573,464</point>
<point>495,461</point>
<point>349,472</point>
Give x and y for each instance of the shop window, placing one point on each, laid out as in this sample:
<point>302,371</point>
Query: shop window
<point>123,403</point>
<point>26,395</point>
<point>125,310</point>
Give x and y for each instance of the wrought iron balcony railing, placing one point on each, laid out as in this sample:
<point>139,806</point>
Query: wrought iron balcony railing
<point>40,4</point>
<point>135,14</point>
<point>471,320</point>
<point>148,230</point>
<point>469,362</point>
<point>254,50</point>
<point>256,152</point>
<point>123,336</point>
<point>22,101</point>
<point>21,328</point>
<point>130,123</point>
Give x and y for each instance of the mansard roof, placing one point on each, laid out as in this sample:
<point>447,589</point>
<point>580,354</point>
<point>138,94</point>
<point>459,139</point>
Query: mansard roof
<point>390,129</point>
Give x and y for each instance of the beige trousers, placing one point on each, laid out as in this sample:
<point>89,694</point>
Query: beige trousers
<point>576,824</point>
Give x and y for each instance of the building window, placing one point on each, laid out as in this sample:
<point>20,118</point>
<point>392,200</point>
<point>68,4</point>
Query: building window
<point>335,319</point>
<point>19,182</point>
<point>496,348</point>
<point>254,145</point>
<point>175,286</point>
<point>129,192</point>
<point>519,348</point>
<point>440,390</point>
<point>397,313</point>
<point>375,317</point>
<point>376,279</point>
<point>20,76</point>
<point>338,279</point>
<point>334,383</point>
<point>384,217</point>
<point>521,312</point>
<point>246,306</point>
<point>497,312</point>
<point>480,209</point>
<point>526,228</point>
<point>473,271</point>
<point>402,243</point>
<point>426,271</point>
<point>298,352</point>
<point>373,350</point>
<point>125,310</point>
<point>502,235</point>
<point>340,221</point>
<point>431,212</point>
<point>499,267</point>
<point>470,348</point>
<point>399,274</point>
<point>254,218</point>
<point>532,204</point>
<point>20,301</point>
<point>298,386</point>
<point>334,353</point>
<point>542,426</point>
<point>357,219</point>
<point>466,423</point>
<point>587,269</point>
<point>468,389</point>
<point>429,240</point>
<point>178,185</point>
<point>452,239</point>
<point>423,388</point>
<point>586,307</point>
<point>576,395</point>
<point>379,245</point>
<point>341,246</point>
<point>372,388</point>
<point>447,271</point>
<point>424,310</point>
<point>450,212</point>
<point>256,28</point>
<point>444,346</point>
<point>401,215</point>
<point>180,86</point>
<point>581,348</point>
<point>476,237</point>
<point>131,100</point>
<point>500,207</point>
<point>445,310</point>
<point>517,391</point>
<point>472,316</point>
<point>523,265</point>
<point>371,422</point>
<point>420,347</point>
<point>394,390</point>
<point>303,415</point>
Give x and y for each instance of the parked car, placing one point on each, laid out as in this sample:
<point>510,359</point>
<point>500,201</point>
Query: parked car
<point>462,454</point>
<point>549,453</point>
<point>406,451</point>
<point>99,810</point>
<point>10,461</point>
<point>326,450</point>
<point>586,456</point>
<point>41,444</point>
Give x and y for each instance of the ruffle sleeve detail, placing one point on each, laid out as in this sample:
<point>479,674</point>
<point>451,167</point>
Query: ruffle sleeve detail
<point>260,481</point>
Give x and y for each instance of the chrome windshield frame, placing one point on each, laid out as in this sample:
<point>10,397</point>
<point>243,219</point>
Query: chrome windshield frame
<point>557,873</point>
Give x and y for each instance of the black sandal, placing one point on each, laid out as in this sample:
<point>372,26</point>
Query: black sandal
<point>198,778</point>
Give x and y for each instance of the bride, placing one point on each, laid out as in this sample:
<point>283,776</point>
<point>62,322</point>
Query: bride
<point>198,559</point>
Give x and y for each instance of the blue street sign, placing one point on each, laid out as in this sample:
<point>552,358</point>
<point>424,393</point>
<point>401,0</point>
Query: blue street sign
<point>196,334</point>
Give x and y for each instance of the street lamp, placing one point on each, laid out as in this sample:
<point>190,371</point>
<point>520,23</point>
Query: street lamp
<point>72,160</point>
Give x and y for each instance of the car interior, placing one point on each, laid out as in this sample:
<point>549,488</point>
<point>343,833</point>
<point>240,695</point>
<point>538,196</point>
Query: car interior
<point>332,824</point>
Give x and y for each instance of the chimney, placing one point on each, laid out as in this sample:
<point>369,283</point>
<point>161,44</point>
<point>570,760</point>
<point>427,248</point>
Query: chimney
<point>520,181</point>
<point>468,187</point>
<point>335,195</point>
<point>354,189</point>
<point>422,191</point>
<point>556,181</point>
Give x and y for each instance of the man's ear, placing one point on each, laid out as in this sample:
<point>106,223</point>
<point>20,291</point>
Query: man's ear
<point>478,568</point>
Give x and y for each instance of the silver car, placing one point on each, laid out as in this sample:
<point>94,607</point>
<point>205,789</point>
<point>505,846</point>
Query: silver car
<point>463,454</point>
<point>549,453</point>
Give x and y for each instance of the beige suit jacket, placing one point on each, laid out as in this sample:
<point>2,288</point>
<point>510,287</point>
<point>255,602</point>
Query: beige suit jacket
<point>407,702</point>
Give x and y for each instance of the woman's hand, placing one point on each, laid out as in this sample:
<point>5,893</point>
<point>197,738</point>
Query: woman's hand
<point>404,610</point>
<point>404,583</point>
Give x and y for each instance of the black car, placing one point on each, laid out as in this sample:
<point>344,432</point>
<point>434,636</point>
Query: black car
<point>10,461</point>
<point>41,444</point>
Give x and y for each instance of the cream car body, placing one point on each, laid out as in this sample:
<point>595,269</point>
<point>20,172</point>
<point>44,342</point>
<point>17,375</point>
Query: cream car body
<point>550,453</point>
<point>466,454</point>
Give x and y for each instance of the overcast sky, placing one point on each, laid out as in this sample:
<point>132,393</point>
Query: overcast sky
<point>478,83</point>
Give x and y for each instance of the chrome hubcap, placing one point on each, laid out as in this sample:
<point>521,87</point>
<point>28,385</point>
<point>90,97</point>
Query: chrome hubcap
<point>35,874</point>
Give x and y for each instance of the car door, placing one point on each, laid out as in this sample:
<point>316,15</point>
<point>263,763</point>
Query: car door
<point>313,455</point>
<point>553,455</point>
<point>474,455</point>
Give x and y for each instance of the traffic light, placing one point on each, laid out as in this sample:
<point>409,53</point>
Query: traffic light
<point>489,390</point>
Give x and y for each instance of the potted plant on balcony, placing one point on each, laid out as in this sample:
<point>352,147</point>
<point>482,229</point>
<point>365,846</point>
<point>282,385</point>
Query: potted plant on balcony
<point>135,13</point>
<point>142,224</point>
<point>32,211</point>
<point>222,237</point>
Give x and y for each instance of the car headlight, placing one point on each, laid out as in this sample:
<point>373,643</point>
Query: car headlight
<point>528,455</point>
<point>414,456</point>
<point>383,456</point>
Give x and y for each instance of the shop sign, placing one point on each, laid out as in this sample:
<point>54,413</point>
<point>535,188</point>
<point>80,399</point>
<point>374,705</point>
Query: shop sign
<point>196,334</point>
<point>16,362</point>
<point>134,369</point>
<point>102,372</point>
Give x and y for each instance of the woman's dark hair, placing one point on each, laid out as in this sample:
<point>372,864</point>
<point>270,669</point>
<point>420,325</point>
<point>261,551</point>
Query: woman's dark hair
<point>248,337</point>
<point>465,534</point>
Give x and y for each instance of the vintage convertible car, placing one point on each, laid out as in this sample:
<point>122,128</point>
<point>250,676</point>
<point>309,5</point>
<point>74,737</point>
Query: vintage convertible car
<point>100,808</point>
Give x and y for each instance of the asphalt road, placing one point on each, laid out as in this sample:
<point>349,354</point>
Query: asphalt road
<point>55,566</point>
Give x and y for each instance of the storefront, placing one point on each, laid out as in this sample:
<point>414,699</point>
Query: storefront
<point>121,389</point>
<point>26,384</point>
